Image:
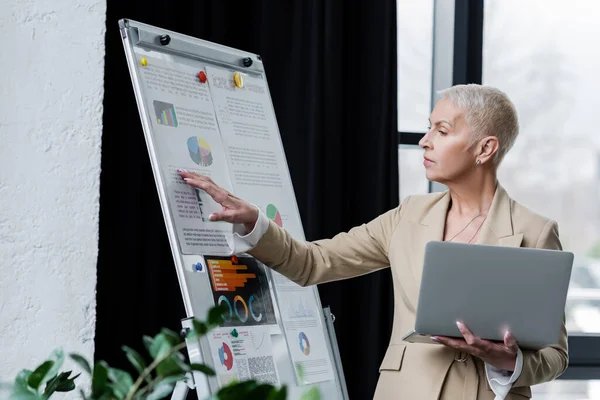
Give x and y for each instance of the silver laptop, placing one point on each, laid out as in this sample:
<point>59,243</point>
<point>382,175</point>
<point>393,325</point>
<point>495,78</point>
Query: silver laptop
<point>491,289</point>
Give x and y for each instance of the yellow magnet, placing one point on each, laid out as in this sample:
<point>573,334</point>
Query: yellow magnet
<point>237,79</point>
<point>144,61</point>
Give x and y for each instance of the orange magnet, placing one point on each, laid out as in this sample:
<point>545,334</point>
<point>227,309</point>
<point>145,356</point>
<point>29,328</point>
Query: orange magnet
<point>234,260</point>
<point>144,61</point>
<point>202,76</point>
<point>237,79</point>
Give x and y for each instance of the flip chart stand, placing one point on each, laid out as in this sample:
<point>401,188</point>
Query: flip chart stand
<point>176,103</point>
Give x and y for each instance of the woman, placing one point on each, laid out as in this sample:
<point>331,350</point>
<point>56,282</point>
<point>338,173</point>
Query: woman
<point>472,128</point>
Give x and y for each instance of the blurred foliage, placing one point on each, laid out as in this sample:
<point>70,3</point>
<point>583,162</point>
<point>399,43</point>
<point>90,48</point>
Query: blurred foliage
<point>155,381</point>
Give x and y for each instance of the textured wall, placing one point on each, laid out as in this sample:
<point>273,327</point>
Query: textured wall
<point>51,89</point>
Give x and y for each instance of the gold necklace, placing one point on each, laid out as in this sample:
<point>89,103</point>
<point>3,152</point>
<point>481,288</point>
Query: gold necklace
<point>471,221</point>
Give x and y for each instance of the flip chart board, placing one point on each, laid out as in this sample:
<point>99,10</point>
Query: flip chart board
<point>207,108</point>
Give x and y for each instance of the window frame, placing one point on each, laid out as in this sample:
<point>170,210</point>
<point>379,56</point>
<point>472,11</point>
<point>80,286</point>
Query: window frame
<point>458,59</point>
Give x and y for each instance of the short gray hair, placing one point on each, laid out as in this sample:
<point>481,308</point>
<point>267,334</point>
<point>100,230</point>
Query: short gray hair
<point>489,112</point>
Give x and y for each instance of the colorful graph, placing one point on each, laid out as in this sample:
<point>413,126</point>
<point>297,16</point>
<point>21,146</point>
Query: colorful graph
<point>165,113</point>
<point>241,286</point>
<point>226,356</point>
<point>304,343</point>
<point>228,277</point>
<point>273,214</point>
<point>200,152</point>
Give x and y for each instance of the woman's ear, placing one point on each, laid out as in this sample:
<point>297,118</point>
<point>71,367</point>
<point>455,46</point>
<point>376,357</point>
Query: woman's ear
<point>488,147</point>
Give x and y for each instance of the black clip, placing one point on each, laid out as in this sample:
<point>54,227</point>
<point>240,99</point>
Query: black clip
<point>165,39</point>
<point>247,61</point>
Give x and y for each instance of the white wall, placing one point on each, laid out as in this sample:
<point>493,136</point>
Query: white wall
<point>51,89</point>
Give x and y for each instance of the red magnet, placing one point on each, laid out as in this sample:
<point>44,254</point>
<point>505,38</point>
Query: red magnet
<point>234,260</point>
<point>202,76</point>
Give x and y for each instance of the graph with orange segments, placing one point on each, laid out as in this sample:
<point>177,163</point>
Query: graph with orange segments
<point>227,277</point>
<point>242,287</point>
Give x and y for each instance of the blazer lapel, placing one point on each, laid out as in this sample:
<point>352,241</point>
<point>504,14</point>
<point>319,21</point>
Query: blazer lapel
<point>497,229</point>
<point>429,228</point>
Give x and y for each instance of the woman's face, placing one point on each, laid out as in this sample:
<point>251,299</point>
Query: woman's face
<point>448,154</point>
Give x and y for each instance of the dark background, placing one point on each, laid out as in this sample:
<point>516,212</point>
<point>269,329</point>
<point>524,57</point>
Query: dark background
<point>331,67</point>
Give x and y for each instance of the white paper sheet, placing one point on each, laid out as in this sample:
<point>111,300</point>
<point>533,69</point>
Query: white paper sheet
<point>260,176</point>
<point>187,137</point>
<point>259,171</point>
<point>247,356</point>
<point>303,330</point>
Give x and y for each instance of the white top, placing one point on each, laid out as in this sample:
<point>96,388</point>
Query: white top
<point>500,381</point>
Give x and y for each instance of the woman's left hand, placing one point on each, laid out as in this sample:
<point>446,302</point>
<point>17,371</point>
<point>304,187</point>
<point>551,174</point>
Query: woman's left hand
<point>500,355</point>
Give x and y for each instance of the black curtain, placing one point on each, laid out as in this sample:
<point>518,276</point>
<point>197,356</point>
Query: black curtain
<point>468,41</point>
<point>331,67</point>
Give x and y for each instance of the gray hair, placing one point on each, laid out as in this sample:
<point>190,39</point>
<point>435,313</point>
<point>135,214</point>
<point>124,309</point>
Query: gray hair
<point>488,112</point>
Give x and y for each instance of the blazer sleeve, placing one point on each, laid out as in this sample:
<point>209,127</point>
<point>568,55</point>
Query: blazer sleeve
<point>549,363</point>
<point>361,250</point>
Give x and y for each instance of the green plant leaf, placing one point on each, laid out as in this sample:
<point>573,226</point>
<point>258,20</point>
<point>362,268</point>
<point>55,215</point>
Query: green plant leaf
<point>160,347</point>
<point>173,337</point>
<point>147,340</point>
<point>35,379</point>
<point>135,359</point>
<point>58,356</point>
<point>261,392</point>
<point>82,362</point>
<point>121,382</point>
<point>159,343</point>
<point>60,383</point>
<point>67,385</point>
<point>215,315</point>
<point>236,390</point>
<point>312,394</point>
<point>205,369</point>
<point>280,394</point>
<point>162,390</point>
<point>99,379</point>
<point>21,390</point>
<point>200,328</point>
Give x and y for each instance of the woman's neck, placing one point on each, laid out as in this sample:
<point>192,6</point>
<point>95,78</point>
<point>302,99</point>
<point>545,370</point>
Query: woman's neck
<point>474,195</point>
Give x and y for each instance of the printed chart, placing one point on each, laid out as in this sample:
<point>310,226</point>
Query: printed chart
<point>241,285</point>
<point>200,152</point>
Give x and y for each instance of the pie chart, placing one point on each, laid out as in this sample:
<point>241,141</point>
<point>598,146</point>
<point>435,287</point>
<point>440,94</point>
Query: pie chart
<point>273,214</point>
<point>225,356</point>
<point>200,151</point>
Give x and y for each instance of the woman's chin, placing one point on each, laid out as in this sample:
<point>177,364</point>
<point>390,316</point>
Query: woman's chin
<point>431,176</point>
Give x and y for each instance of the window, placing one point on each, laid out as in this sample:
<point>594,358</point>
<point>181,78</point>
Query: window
<point>415,54</point>
<point>543,54</point>
<point>550,70</point>
<point>567,390</point>
<point>412,171</point>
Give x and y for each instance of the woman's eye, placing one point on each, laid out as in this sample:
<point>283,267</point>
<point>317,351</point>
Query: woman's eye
<point>442,133</point>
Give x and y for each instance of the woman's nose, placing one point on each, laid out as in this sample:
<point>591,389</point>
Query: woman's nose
<point>424,142</point>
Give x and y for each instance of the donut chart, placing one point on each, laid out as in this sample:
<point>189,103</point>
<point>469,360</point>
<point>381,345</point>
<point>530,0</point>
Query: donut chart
<point>255,317</point>
<point>304,343</point>
<point>226,356</point>
<point>273,214</point>
<point>239,299</point>
<point>222,300</point>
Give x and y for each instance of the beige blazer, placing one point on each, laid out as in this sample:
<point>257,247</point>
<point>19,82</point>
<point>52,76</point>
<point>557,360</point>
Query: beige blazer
<point>397,239</point>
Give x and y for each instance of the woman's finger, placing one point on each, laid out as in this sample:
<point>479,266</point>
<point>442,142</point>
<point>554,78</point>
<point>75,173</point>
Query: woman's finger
<point>220,195</point>
<point>471,339</point>
<point>510,342</point>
